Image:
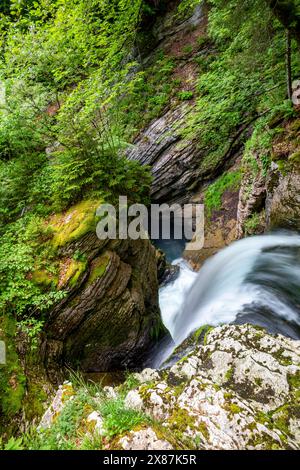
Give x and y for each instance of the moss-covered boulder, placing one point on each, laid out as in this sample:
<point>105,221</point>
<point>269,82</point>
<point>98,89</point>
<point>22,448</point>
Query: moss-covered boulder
<point>109,317</point>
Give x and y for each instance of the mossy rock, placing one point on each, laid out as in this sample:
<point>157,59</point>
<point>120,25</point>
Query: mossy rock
<point>44,279</point>
<point>99,267</point>
<point>12,377</point>
<point>295,158</point>
<point>73,272</point>
<point>74,223</point>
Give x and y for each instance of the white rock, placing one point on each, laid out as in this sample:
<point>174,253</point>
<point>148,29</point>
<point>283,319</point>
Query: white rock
<point>97,419</point>
<point>110,392</point>
<point>134,401</point>
<point>146,439</point>
<point>64,393</point>
<point>147,375</point>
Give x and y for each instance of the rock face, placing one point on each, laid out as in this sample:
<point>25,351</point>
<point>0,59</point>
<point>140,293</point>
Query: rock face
<point>220,227</point>
<point>283,200</point>
<point>269,198</point>
<point>146,439</point>
<point>175,160</point>
<point>175,164</point>
<point>240,390</point>
<point>110,316</point>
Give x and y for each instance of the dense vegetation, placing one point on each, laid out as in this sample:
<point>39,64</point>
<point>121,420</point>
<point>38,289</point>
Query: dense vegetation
<point>74,94</point>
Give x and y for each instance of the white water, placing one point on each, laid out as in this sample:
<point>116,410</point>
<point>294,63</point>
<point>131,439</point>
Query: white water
<point>171,297</point>
<point>258,277</point>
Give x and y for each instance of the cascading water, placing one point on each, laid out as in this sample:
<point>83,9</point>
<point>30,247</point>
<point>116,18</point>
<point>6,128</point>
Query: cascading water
<point>255,280</point>
<point>171,296</point>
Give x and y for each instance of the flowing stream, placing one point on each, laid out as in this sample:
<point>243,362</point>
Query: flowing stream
<point>255,280</point>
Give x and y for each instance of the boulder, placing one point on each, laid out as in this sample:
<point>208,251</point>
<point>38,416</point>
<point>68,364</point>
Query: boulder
<point>109,318</point>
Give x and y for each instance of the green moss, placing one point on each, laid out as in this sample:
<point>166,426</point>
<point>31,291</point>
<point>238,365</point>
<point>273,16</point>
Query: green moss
<point>295,126</point>
<point>74,272</point>
<point>178,423</point>
<point>178,389</point>
<point>234,408</point>
<point>295,158</point>
<point>185,95</point>
<point>36,397</point>
<point>282,358</point>
<point>294,381</point>
<point>183,360</point>
<point>229,374</point>
<point>282,166</point>
<point>202,333</point>
<point>12,378</point>
<point>265,442</point>
<point>214,193</point>
<point>281,419</point>
<point>204,431</point>
<point>44,279</point>
<point>252,224</point>
<point>74,223</point>
<point>99,267</point>
<point>209,329</point>
<point>258,381</point>
<point>188,49</point>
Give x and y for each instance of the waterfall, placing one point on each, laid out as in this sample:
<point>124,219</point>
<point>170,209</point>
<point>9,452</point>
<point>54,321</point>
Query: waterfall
<point>255,280</point>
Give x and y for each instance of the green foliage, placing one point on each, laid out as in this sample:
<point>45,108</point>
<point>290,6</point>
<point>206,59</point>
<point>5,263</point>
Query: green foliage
<point>63,433</point>
<point>213,194</point>
<point>20,249</point>
<point>130,383</point>
<point>118,418</point>
<point>63,67</point>
<point>150,94</point>
<point>63,70</point>
<point>252,224</point>
<point>12,444</point>
<point>12,379</point>
<point>242,79</point>
<point>257,154</point>
<point>186,7</point>
<point>32,328</point>
<point>71,430</point>
<point>185,95</point>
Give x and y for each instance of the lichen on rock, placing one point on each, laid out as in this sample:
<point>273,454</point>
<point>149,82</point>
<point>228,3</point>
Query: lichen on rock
<point>248,397</point>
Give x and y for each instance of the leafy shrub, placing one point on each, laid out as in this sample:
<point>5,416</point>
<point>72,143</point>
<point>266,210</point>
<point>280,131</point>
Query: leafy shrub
<point>185,95</point>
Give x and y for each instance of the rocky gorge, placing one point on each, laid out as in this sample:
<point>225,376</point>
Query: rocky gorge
<point>226,387</point>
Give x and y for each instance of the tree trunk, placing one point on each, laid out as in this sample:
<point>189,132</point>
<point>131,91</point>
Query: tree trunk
<point>289,64</point>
